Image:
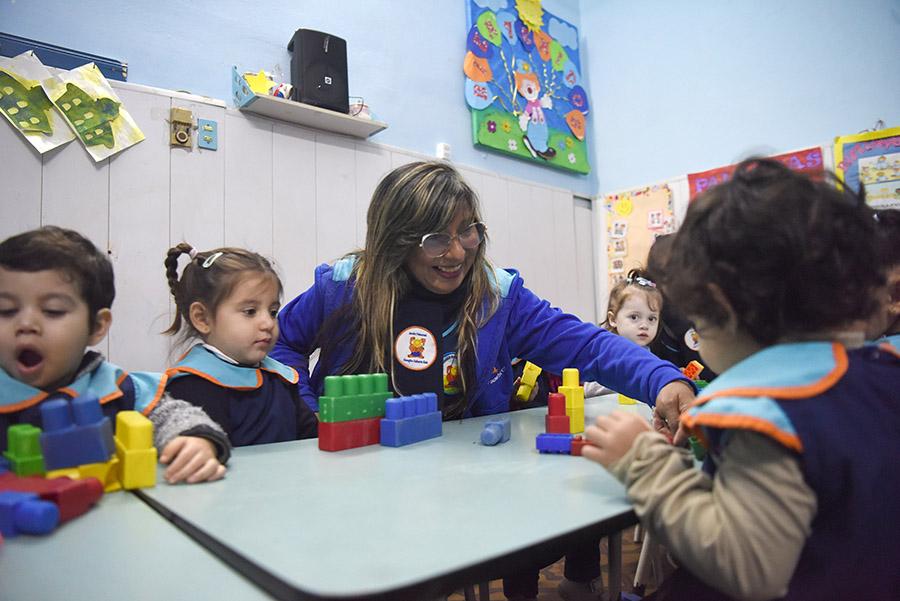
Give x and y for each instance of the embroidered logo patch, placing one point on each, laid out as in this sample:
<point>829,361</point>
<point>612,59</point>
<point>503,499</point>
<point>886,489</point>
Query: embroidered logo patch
<point>451,374</point>
<point>415,348</point>
<point>692,340</point>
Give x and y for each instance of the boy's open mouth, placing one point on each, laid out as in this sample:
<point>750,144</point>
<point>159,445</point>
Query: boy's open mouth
<point>30,358</point>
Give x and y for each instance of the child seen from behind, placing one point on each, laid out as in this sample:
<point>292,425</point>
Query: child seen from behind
<point>227,300</point>
<point>798,494</point>
<point>56,291</point>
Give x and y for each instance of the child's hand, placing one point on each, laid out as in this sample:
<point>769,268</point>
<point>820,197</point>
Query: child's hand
<point>612,436</point>
<point>191,459</point>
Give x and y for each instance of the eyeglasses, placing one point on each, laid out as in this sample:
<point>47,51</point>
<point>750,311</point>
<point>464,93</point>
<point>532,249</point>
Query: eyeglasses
<point>438,244</point>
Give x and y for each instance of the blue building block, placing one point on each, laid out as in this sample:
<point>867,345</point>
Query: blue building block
<point>75,432</point>
<point>26,512</point>
<point>495,432</point>
<point>554,443</point>
<point>410,419</point>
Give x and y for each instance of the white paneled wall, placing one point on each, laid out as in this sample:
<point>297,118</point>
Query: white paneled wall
<point>293,194</point>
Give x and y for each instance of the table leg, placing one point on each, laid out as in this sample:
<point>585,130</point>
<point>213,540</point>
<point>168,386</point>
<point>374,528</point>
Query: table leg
<point>615,565</point>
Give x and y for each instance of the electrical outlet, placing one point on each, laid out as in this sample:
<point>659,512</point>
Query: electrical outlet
<point>207,134</point>
<point>181,122</point>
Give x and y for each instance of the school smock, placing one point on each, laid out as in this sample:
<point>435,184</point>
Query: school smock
<point>117,390</point>
<point>524,325</point>
<point>835,413</point>
<point>254,405</point>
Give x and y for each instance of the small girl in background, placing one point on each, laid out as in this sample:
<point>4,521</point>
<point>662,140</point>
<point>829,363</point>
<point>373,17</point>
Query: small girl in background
<point>633,313</point>
<point>228,299</point>
<point>798,495</point>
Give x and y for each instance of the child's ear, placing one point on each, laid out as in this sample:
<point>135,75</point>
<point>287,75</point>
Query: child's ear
<point>200,317</point>
<point>730,324</point>
<point>611,319</point>
<point>102,323</point>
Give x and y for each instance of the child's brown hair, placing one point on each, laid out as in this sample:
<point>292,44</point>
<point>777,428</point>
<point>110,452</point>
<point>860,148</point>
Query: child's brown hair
<point>66,251</point>
<point>209,278</point>
<point>636,282</point>
<point>792,255</point>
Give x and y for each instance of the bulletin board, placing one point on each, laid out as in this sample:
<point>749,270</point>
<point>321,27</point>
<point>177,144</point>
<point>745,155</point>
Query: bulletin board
<point>523,83</point>
<point>871,160</point>
<point>634,219</point>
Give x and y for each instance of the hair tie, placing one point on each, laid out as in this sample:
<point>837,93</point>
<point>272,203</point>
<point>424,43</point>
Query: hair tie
<point>192,253</point>
<point>211,259</point>
<point>640,281</point>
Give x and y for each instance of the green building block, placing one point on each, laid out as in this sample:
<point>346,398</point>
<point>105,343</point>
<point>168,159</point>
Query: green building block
<point>359,396</point>
<point>24,450</point>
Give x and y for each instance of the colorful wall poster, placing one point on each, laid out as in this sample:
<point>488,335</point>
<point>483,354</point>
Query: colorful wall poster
<point>634,220</point>
<point>808,160</point>
<point>871,160</point>
<point>523,83</point>
<point>25,104</point>
<point>93,111</point>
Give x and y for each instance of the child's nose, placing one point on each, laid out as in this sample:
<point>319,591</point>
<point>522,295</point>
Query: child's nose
<point>28,322</point>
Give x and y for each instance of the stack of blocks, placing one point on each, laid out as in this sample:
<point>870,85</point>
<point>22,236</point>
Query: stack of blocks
<point>528,381</point>
<point>411,419</point>
<point>350,411</point>
<point>565,417</point>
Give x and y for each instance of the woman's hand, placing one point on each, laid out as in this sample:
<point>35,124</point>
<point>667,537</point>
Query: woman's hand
<point>612,436</point>
<point>191,459</point>
<point>674,398</point>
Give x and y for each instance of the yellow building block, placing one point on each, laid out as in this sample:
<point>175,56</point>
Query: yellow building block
<point>574,404</point>
<point>624,400</point>
<point>135,451</point>
<point>68,472</point>
<point>107,473</point>
<point>527,382</point>
<point>570,377</point>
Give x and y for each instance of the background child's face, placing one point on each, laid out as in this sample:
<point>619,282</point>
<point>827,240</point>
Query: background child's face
<point>885,319</point>
<point>44,327</point>
<point>635,320</point>
<point>244,326</point>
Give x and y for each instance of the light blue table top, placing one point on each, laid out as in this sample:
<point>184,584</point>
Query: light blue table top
<point>120,549</point>
<point>400,521</point>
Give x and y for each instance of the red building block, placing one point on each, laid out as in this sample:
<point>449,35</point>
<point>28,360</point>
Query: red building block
<point>556,403</point>
<point>557,424</point>
<point>337,436</point>
<point>72,497</point>
<point>578,443</point>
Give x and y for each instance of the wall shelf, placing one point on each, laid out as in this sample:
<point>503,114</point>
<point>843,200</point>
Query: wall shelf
<point>299,113</point>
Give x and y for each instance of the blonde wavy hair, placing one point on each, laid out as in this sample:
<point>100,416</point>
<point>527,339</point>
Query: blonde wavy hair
<point>411,201</point>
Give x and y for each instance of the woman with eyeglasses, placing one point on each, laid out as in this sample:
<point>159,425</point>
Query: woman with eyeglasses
<point>422,303</point>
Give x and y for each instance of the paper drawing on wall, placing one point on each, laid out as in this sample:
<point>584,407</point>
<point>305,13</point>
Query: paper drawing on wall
<point>26,106</point>
<point>523,83</point>
<point>93,110</point>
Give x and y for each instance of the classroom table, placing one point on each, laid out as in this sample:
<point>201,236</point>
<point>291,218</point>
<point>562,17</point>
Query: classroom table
<point>413,522</point>
<point>120,549</point>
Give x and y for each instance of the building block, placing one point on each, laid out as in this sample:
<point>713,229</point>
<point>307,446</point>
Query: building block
<point>360,396</point>
<point>71,497</point>
<point>75,432</point>
<point>4,464</point>
<point>108,473</point>
<point>578,443</point>
<point>554,443</point>
<point>527,382</point>
<point>24,450</point>
<point>411,419</point>
<point>337,436</point>
<point>24,512</point>
<point>574,394</point>
<point>692,370</point>
<point>624,400</point>
<point>556,421</point>
<point>496,431</point>
<point>135,450</point>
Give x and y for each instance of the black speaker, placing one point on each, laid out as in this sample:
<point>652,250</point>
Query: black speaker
<point>319,70</point>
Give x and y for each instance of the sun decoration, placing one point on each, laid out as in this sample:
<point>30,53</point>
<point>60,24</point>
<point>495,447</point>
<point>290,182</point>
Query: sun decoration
<point>531,13</point>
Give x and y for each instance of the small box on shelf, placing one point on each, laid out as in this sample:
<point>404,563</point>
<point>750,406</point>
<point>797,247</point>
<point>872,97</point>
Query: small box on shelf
<point>299,113</point>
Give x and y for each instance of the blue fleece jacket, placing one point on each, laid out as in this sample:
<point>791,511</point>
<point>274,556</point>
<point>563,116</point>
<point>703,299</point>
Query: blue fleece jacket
<point>523,326</point>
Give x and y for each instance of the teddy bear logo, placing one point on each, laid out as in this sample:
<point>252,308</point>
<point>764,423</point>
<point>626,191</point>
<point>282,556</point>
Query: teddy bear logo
<point>416,348</point>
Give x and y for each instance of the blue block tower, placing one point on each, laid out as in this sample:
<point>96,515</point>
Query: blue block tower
<point>410,419</point>
<point>75,433</point>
